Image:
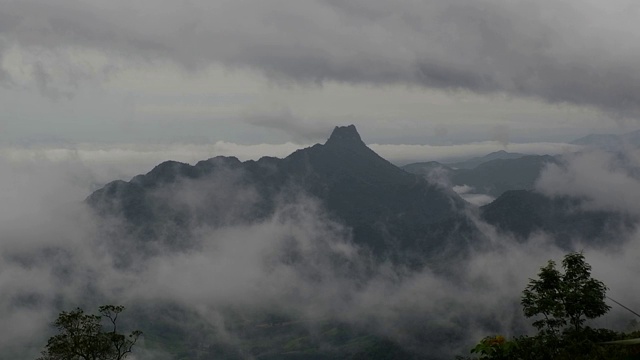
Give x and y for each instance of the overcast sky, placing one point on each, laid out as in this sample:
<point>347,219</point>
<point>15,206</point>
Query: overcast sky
<point>92,91</point>
<point>253,72</point>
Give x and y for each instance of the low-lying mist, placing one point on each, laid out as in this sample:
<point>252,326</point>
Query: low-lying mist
<point>55,255</point>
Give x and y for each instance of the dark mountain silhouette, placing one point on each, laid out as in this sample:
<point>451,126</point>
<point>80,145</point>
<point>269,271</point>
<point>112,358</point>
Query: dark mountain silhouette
<point>473,162</point>
<point>610,142</point>
<point>491,177</point>
<point>427,168</point>
<point>525,212</point>
<point>498,176</point>
<point>393,213</point>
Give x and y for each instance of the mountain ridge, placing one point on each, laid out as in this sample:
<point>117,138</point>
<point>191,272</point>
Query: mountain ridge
<point>394,214</point>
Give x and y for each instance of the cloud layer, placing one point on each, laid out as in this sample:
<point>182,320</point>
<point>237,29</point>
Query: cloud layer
<point>578,52</point>
<point>53,256</point>
<point>101,163</point>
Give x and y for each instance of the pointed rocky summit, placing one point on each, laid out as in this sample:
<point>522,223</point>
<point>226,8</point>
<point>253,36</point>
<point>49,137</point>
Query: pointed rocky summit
<point>389,211</point>
<point>345,135</point>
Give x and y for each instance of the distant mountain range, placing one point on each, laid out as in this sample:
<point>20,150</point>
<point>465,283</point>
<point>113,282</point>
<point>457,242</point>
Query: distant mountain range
<point>610,142</point>
<point>501,171</point>
<point>492,174</point>
<point>474,162</point>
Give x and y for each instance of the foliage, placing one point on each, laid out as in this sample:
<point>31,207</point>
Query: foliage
<point>82,336</point>
<point>561,302</point>
<point>564,299</point>
<point>495,347</point>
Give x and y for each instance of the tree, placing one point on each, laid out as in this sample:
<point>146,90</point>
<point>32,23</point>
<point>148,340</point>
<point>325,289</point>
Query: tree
<point>561,302</point>
<point>564,299</point>
<point>543,297</point>
<point>82,336</point>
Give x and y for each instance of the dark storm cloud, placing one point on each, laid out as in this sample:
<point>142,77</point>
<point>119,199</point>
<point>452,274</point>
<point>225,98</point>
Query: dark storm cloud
<point>577,52</point>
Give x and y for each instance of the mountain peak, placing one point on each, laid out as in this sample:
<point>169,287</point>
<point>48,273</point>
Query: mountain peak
<point>345,135</point>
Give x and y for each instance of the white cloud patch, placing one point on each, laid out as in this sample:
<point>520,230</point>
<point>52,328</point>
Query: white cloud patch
<point>607,180</point>
<point>466,193</point>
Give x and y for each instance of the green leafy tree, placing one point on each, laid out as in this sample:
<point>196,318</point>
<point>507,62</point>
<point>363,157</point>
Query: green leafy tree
<point>543,297</point>
<point>564,299</point>
<point>495,347</point>
<point>560,301</point>
<point>83,336</point>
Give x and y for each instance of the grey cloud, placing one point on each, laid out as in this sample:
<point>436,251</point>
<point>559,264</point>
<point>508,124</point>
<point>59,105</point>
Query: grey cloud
<point>569,51</point>
<point>43,81</point>
<point>606,181</point>
<point>282,118</point>
<point>500,133</point>
<point>5,77</point>
<point>601,178</point>
<point>123,161</point>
